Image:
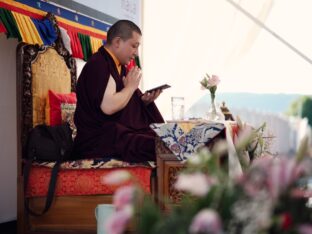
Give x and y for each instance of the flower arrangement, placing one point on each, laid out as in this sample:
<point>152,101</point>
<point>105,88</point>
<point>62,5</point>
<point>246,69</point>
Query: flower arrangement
<point>211,83</point>
<point>272,196</point>
<point>251,142</point>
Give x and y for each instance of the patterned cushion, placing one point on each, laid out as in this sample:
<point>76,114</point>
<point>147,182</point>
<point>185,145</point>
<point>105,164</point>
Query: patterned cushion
<point>184,144</point>
<point>53,106</point>
<point>67,112</point>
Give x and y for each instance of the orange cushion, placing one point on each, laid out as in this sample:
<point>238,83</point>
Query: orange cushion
<point>53,106</point>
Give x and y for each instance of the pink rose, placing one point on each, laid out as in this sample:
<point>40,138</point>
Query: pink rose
<point>116,177</point>
<point>197,184</point>
<point>123,196</point>
<point>213,81</point>
<point>206,221</point>
<point>117,222</point>
<point>210,82</point>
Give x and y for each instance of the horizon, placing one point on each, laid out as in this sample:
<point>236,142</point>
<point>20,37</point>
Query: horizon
<point>270,103</point>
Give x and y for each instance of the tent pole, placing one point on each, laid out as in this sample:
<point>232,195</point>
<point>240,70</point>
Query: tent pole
<point>274,34</point>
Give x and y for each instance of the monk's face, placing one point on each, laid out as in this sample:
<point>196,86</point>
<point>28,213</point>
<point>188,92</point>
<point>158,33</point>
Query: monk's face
<point>128,49</point>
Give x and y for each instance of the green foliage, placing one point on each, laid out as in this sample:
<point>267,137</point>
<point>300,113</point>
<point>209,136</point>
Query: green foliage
<point>152,215</point>
<point>302,107</point>
<point>306,110</point>
<point>295,107</point>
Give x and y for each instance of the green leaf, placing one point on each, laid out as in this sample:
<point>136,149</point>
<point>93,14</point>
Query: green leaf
<point>303,148</point>
<point>149,216</point>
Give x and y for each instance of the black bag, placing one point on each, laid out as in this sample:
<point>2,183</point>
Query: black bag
<point>47,143</point>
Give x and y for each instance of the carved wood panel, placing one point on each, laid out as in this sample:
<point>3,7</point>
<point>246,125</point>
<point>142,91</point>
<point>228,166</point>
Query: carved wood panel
<point>174,195</point>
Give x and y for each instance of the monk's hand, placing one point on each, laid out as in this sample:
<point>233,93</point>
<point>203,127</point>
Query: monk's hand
<point>149,97</point>
<point>132,80</point>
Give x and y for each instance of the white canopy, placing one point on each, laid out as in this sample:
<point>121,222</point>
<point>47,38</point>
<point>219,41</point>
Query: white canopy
<point>184,39</point>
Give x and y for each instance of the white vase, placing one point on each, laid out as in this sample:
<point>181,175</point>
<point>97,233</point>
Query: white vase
<point>214,113</point>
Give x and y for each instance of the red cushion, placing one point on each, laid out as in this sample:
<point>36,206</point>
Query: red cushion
<point>82,181</point>
<point>53,107</point>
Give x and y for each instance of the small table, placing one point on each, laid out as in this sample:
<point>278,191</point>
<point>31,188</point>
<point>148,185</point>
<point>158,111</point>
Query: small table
<point>168,167</point>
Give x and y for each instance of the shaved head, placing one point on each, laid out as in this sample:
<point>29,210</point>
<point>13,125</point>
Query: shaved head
<point>122,29</point>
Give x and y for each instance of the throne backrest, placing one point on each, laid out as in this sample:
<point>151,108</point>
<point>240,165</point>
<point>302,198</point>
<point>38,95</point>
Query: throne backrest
<point>40,69</point>
<point>49,72</point>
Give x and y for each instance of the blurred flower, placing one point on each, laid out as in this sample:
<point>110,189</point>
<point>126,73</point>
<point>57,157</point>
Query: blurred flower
<point>305,229</point>
<point>250,142</point>
<point>282,173</point>
<point>118,221</point>
<point>206,221</point>
<point>123,196</point>
<point>116,177</point>
<point>286,221</point>
<point>272,175</point>
<point>244,134</point>
<point>194,160</point>
<point>197,183</point>
<point>270,197</point>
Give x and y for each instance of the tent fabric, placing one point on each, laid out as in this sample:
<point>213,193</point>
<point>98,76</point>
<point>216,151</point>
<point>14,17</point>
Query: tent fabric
<point>46,31</point>
<point>27,29</point>
<point>10,24</point>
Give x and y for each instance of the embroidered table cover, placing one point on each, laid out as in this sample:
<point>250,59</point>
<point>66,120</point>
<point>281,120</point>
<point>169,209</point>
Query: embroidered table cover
<point>185,138</point>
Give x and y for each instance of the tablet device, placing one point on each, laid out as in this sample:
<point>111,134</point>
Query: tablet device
<point>164,86</point>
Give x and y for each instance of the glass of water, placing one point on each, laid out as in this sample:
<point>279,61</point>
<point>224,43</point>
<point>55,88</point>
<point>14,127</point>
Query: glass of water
<point>177,108</point>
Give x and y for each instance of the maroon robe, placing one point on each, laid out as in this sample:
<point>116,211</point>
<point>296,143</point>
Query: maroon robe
<point>125,134</point>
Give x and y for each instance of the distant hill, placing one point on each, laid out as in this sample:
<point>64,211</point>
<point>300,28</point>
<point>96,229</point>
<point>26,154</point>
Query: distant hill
<point>277,103</point>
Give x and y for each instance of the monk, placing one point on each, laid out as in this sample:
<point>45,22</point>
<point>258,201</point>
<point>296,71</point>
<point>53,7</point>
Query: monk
<point>112,115</point>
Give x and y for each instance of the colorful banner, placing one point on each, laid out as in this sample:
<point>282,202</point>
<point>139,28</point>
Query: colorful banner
<point>24,19</point>
<point>66,14</point>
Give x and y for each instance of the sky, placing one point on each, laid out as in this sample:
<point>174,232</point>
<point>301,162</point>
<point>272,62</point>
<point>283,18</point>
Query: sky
<point>184,39</point>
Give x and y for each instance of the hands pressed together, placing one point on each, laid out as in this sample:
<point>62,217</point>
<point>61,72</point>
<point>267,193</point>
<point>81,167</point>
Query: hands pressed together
<point>133,78</point>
